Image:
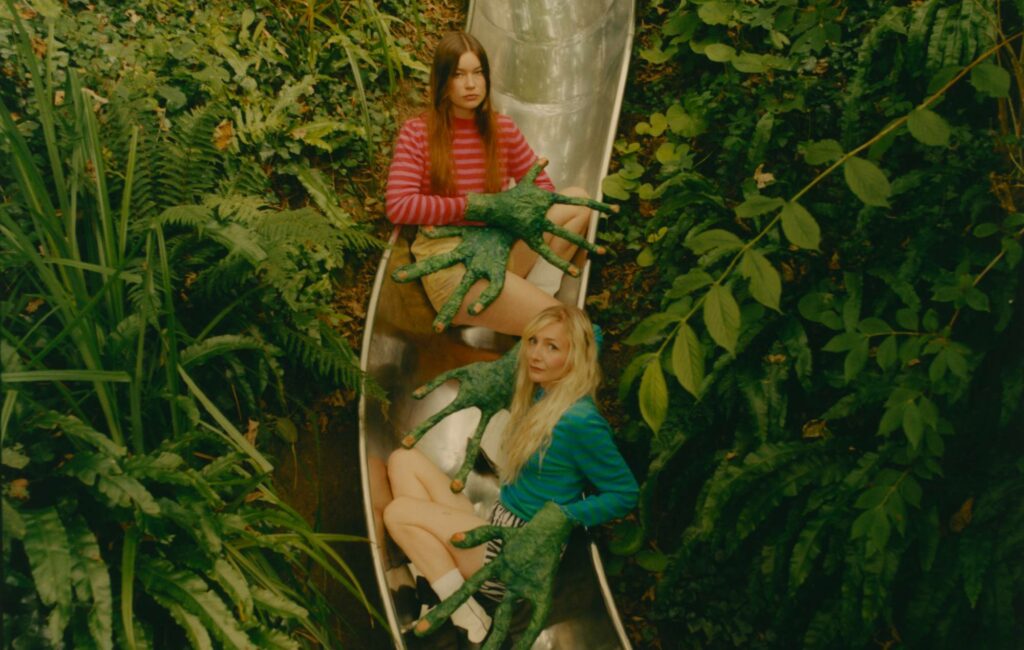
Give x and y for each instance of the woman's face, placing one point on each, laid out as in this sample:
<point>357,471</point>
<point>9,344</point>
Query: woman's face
<point>547,353</point>
<point>467,87</point>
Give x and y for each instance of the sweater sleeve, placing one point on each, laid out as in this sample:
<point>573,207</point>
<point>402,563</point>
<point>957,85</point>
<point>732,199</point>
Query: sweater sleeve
<point>600,461</point>
<point>520,156</point>
<point>405,202</point>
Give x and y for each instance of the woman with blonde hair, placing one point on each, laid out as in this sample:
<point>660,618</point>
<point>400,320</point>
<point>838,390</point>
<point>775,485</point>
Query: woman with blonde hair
<point>459,146</point>
<point>556,445</point>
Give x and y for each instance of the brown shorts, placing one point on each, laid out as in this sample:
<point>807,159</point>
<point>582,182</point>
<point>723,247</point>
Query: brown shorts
<point>440,285</point>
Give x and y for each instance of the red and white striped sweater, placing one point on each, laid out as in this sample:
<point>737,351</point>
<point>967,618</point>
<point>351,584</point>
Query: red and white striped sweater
<point>409,197</point>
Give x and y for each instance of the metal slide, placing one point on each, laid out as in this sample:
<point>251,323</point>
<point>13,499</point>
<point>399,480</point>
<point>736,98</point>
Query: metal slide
<point>559,70</point>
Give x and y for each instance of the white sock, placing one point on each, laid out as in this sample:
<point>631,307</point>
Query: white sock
<point>545,276</point>
<point>470,616</point>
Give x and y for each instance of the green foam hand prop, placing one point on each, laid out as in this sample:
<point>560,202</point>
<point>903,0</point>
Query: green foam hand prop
<point>527,564</point>
<point>517,213</point>
<point>523,211</point>
<point>487,385</point>
<point>484,253</point>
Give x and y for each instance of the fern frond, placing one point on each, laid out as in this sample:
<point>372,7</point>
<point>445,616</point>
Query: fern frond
<point>215,346</point>
<point>329,356</point>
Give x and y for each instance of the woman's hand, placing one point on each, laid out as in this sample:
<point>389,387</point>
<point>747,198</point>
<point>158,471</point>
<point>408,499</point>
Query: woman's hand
<point>527,564</point>
<point>487,385</point>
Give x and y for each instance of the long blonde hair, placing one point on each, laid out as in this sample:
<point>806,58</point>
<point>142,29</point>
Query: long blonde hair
<point>439,116</point>
<point>533,421</point>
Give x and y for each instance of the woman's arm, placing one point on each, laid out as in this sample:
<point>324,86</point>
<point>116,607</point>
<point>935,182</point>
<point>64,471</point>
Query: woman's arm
<point>405,203</point>
<point>599,460</point>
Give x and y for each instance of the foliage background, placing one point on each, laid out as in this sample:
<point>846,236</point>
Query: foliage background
<point>821,367</point>
<point>817,376</point>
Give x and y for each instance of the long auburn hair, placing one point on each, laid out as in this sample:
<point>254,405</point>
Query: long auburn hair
<point>532,421</point>
<point>439,116</point>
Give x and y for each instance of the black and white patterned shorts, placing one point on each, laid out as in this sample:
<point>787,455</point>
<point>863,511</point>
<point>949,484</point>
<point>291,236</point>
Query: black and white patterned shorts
<point>500,516</point>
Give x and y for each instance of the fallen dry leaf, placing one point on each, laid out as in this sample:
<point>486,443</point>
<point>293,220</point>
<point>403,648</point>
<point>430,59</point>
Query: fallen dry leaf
<point>254,428</point>
<point>223,134</point>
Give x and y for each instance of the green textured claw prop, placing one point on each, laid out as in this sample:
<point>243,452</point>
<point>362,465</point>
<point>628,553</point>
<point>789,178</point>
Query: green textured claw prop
<point>518,213</point>
<point>484,253</point>
<point>527,565</point>
<point>487,385</point>
<point>523,210</point>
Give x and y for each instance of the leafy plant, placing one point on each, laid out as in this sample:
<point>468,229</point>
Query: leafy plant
<point>130,499</point>
<point>832,336</point>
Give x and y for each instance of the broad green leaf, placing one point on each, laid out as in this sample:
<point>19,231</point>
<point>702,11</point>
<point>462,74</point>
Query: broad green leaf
<point>873,325</point>
<point>653,395</point>
<point>928,127</point>
<point>991,80</point>
<point>888,353</point>
<point>682,123</point>
<point>937,369</point>
<point>722,317</point>
<point>627,538</point>
<point>688,359</point>
<point>652,560</point>
<point>911,491</point>
<point>13,524</point>
<point>907,318</point>
<point>750,63</point>
<point>891,420</point>
<point>655,127</point>
<point>91,578</point>
<point>616,187</point>
<point>194,630</point>
<point>632,371</point>
<point>49,558</point>
<point>650,329</point>
<point>765,283</point>
<point>843,342</point>
<point>646,257</point>
<point>985,229</point>
<point>720,52</point>
<point>912,424</point>
<point>800,227</point>
<point>822,152</point>
<point>867,181</point>
<point>715,12</point>
<point>715,238</point>
<point>758,205</point>
<point>855,360</point>
<point>72,426</point>
<point>872,497</point>
<point>689,282</point>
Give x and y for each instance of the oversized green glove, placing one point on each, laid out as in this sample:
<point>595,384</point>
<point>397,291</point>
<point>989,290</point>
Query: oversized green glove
<point>523,210</point>
<point>518,213</point>
<point>527,564</point>
<point>487,385</point>
<point>483,251</point>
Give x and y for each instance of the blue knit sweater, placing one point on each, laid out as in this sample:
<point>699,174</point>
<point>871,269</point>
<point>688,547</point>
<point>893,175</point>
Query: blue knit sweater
<point>581,453</point>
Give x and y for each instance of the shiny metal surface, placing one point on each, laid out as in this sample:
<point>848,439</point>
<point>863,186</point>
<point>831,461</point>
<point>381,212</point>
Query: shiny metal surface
<point>559,70</point>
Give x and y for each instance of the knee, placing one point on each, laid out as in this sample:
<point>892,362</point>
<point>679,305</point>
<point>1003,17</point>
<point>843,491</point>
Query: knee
<point>396,513</point>
<point>401,462</point>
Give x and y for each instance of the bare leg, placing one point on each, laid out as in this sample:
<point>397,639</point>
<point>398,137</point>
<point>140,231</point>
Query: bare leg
<point>414,475</point>
<point>422,526</point>
<point>574,218</point>
<point>517,304</point>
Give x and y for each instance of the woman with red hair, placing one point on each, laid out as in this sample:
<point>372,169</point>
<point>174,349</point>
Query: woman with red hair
<point>458,146</point>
